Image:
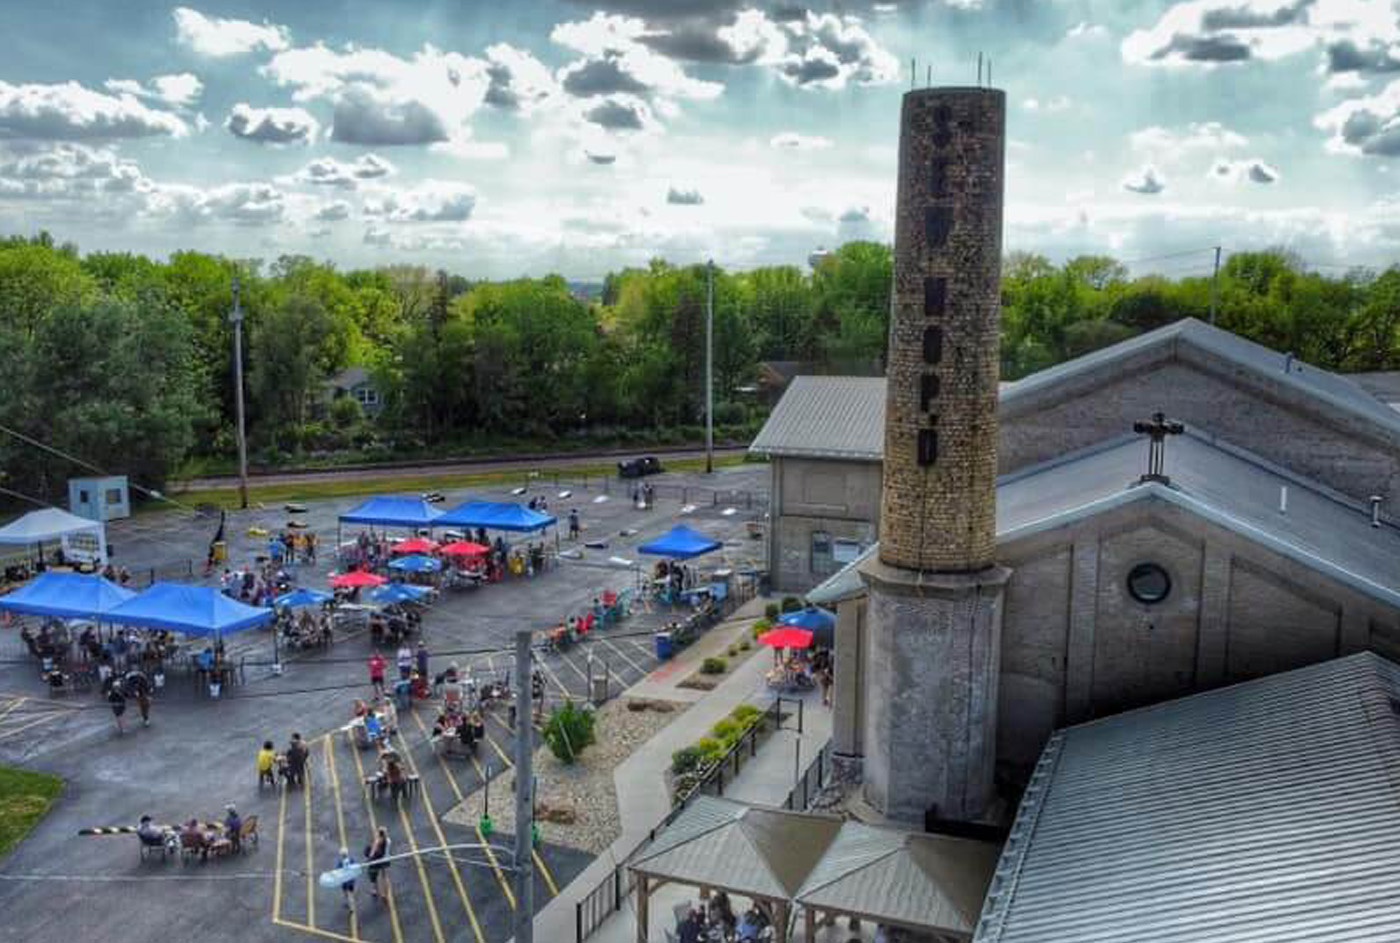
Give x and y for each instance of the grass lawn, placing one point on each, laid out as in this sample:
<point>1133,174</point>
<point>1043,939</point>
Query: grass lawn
<point>24,798</point>
<point>354,484</point>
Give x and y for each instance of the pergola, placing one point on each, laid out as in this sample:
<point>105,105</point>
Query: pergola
<point>755,852</point>
<point>929,884</point>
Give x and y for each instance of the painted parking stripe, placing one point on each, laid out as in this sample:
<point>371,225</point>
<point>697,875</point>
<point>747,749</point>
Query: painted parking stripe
<point>374,826</point>
<point>422,870</point>
<point>340,822</point>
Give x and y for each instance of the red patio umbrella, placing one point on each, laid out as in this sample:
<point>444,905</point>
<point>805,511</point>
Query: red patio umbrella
<point>787,636</point>
<point>464,548</point>
<point>357,578</point>
<point>414,545</point>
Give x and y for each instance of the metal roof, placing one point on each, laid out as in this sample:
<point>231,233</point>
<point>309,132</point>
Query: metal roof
<point>1265,812</point>
<point>749,850</point>
<point>827,417</point>
<point>931,881</point>
<point>1230,487</point>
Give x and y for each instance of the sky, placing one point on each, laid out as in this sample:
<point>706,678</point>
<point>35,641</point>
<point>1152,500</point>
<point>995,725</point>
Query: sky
<point>522,137</point>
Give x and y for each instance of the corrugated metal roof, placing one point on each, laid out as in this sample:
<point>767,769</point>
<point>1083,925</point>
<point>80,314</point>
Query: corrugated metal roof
<point>827,417</point>
<point>1265,811</point>
<point>931,881</point>
<point>1228,486</point>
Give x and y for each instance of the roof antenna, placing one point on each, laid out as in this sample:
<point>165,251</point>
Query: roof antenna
<point>928,80</point>
<point>979,70</point>
<point>913,74</point>
<point>989,71</point>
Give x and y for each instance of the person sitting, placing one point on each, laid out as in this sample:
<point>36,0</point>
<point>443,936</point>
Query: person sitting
<point>691,929</point>
<point>233,828</point>
<point>192,837</point>
<point>151,834</point>
<point>394,775</point>
<point>722,913</point>
<point>466,733</point>
<point>374,728</point>
<point>750,926</point>
<point>388,715</point>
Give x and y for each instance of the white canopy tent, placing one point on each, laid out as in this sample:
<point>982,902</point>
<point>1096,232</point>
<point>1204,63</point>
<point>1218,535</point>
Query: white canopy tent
<point>82,539</point>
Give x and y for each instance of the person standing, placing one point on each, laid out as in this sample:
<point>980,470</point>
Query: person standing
<point>344,860</point>
<point>297,756</point>
<point>143,704</point>
<point>117,700</point>
<point>422,657</point>
<point>573,523</point>
<point>233,828</point>
<point>267,760</point>
<point>405,661</point>
<point>375,853</point>
<point>376,673</point>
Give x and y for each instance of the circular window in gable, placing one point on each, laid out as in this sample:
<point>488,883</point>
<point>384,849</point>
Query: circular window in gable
<point>1149,583</point>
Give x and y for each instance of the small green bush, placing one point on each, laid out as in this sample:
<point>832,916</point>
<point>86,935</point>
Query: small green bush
<point>771,612</point>
<point>732,650</point>
<point>714,666</point>
<point>685,760</point>
<point>745,645</point>
<point>568,731</point>
<point>745,713</point>
<point>727,730</point>
<point>791,604</point>
<point>711,751</point>
<point>760,626</point>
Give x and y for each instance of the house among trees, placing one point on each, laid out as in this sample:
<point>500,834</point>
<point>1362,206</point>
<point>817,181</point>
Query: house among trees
<point>358,384</point>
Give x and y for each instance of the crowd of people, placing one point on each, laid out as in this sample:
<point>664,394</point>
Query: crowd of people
<point>716,921</point>
<point>200,839</point>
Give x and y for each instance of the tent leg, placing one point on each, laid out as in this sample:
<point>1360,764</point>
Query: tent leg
<point>642,915</point>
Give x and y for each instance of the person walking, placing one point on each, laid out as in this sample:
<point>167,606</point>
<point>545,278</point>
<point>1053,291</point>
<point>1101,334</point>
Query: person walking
<point>405,661</point>
<point>573,523</point>
<point>375,853</point>
<point>344,860</point>
<point>117,700</point>
<point>377,664</point>
<point>143,704</point>
<point>267,762</point>
<point>297,755</point>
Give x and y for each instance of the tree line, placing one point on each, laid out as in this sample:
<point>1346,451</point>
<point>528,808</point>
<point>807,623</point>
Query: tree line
<point>125,361</point>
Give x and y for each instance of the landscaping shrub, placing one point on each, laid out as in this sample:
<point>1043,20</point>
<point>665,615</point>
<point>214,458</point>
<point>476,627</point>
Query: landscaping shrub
<point>732,650</point>
<point>760,626</point>
<point>727,731</point>
<point>745,645</point>
<point>713,666</point>
<point>746,714</point>
<point>568,731</point>
<point>685,760</point>
<point>771,612</point>
<point>791,604</point>
<point>711,751</point>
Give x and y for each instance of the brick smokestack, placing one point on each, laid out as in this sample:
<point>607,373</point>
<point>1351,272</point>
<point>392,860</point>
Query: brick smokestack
<point>939,510</point>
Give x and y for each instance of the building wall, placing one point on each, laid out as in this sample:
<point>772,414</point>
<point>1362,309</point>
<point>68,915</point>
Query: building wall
<point>1346,459</point>
<point>841,498</point>
<point>1077,645</point>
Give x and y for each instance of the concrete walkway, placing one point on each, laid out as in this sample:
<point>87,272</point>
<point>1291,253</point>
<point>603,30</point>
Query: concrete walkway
<point>642,795</point>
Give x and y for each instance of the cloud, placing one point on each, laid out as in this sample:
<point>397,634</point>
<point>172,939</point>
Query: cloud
<point>276,126</point>
<point>854,214</point>
<point>383,100</point>
<point>829,51</point>
<point>214,36</point>
<point>69,111</point>
<point>1374,57</point>
<point>1368,125</point>
<point>433,201</point>
<point>619,114</point>
<point>329,172</point>
<point>684,197</point>
<point>1215,32</point>
<point>600,158</point>
<point>517,80</point>
<point>1254,170</point>
<point>617,61</point>
<point>177,91</point>
<point>1148,181</point>
<point>467,149</point>
<point>333,212</point>
<point>792,141</point>
<point>1165,144</point>
<point>1086,30</point>
<point>245,204</point>
<point>68,171</point>
<point>1048,105</point>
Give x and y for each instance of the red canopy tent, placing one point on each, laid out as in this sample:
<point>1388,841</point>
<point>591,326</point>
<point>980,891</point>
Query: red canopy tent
<point>786,636</point>
<point>414,545</point>
<point>356,578</point>
<point>464,548</point>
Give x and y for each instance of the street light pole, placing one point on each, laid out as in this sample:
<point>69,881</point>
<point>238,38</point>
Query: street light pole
<point>236,318</point>
<point>524,794</point>
<point>709,366</point>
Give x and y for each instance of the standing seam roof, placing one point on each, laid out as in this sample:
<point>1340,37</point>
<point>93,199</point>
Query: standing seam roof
<point>827,417</point>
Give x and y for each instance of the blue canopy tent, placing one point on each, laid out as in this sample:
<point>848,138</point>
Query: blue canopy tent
<point>302,597</point>
<point>67,596</point>
<point>416,563</point>
<point>398,592</point>
<point>390,511</point>
<point>193,610</point>
<point>680,543</point>
<point>820,622</point>
<point>496,515</point>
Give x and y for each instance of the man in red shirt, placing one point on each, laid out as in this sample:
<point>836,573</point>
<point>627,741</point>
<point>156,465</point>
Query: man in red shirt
<point>376,673</point>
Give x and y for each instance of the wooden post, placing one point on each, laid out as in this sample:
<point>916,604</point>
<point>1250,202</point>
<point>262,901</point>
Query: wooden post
<point>780,923</point>
<point>642,930</point>
<point>810,922</point>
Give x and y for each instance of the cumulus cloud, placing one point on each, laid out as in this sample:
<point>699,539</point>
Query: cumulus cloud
<point>1369,124</point>
<point>854,214</point>
<point>1148,181</point>
<point>333,212</point>
<point>678,197</point>
<point>1212,32</point>
<point>215,36</point>
<point>517,80</point>
<point>178,91</point>
<point>329,172</point>
<point>245,204</point>
<point>792,141</point>
<point>599,158</point>
<point>276,126</point>
<point>380,99</point>
<point>69,111</point>
<point>1169,143</point>
<point>433,201</point>
<point>68,171</point>
<point>616,61</point>
<point>1253,170</point>
<point>1086,30</point>
<point>1048,105</point>
<point>620,114</point>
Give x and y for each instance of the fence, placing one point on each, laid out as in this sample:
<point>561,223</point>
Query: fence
<point>686,494</point>
<point>812,781</point>
<point>607,898</point>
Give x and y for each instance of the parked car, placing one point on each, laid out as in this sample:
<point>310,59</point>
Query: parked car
<point>637,467</point>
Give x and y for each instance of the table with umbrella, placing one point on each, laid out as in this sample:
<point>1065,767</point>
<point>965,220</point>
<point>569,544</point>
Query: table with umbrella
<point>788,674</point>
<point>303,632</point>
<point>468,563</point>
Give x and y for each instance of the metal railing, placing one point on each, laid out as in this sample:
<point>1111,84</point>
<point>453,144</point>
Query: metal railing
<point>812,782</point>
<point>607,898</point>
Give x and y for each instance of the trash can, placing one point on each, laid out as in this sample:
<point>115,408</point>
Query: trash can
<point>599,692</point>
<point>663,645</point>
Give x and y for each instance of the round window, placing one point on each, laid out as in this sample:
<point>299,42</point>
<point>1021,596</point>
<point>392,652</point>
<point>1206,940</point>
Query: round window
<point>1149,583</point>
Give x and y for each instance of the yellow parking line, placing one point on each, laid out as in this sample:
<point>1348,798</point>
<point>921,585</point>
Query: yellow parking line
<point>327,934</point>
<point>452,782</point>
<point>576,669</point>
<point>373,824</point>
<point>422,871</point>
<point>21,728</point>
<point>310,865</point>
<point>277,878</point>
<point>621,654</point>
<point>16,703</point>
<point>549,673</point>
<point>340,824</point>
<point>442,839</point>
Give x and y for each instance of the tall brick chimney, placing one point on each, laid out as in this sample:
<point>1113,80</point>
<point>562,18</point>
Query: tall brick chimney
<point>935,593</point>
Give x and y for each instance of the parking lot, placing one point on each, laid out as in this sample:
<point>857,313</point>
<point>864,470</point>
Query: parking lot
<point>198,753</point>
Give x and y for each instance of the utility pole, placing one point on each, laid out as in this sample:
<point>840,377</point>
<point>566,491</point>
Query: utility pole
<point>524,794</point>
<point>236,319</point>
<point>709,366</point>
<point>1215,285</point>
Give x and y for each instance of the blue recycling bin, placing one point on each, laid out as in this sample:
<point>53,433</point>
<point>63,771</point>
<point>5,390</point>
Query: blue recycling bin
<point>663,646</point>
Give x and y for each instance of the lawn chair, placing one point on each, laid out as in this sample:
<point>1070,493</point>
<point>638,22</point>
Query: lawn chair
<point>190,847</point>
<point>159,846</point>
